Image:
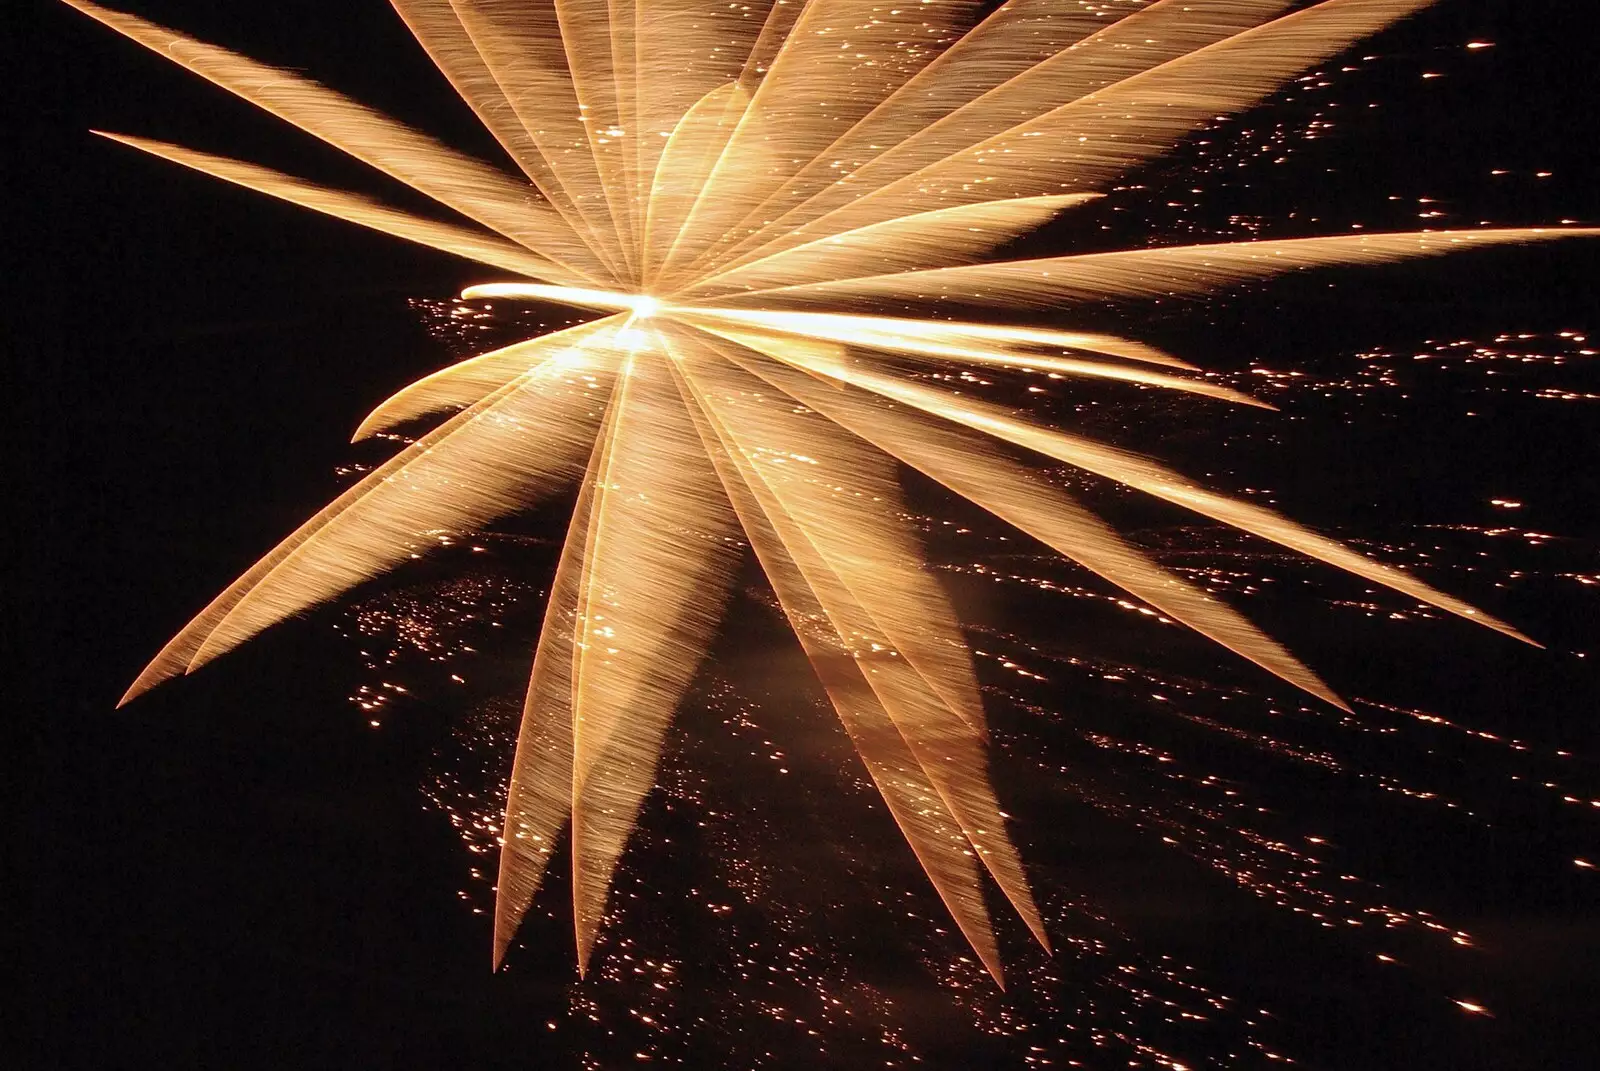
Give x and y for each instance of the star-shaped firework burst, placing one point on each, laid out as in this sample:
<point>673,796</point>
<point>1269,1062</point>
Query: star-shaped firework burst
<point>747,190</point>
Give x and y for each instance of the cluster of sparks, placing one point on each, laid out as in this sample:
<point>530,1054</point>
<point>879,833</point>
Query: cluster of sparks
<point>747,192</point>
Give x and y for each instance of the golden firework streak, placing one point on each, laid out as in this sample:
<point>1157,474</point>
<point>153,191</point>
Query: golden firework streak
<point>741,190</point>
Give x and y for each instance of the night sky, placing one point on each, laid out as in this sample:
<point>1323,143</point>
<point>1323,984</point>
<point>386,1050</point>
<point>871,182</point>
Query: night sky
<point>238,871</point>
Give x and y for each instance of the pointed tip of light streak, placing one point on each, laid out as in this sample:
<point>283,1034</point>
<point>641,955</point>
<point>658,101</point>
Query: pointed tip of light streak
<point>1489,621</point>
<point>1255,403</point>
<point>132,141</point>
<point>148,678</point>
<point>209,651</point>
<point>996,973</point>
<point>367,428</point>
<point>1516,635</point>
<point>502,944</point>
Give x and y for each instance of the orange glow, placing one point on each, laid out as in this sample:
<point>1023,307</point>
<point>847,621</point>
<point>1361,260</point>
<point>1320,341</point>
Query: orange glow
<point>752,207</point>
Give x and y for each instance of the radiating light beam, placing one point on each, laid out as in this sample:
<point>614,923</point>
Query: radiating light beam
<point>765,200</point>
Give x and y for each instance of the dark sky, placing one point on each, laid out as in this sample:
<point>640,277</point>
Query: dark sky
<point>185,363</point>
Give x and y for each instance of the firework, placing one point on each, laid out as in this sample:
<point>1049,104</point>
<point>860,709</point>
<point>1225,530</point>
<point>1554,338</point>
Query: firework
<point>743,190</point>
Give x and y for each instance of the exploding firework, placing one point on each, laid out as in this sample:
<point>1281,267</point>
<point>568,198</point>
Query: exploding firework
<point>747,191</point>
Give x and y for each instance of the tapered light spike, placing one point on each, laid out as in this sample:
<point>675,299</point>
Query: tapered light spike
<point>179,653</point>
<point>813,91</point>
<point>662,548</point>
<point>441,33</point>
<point>848,546</point>
<point>1171,271</point>
<point>936,839</point>
<point>1015,37</point>
<point>1005,336</point>
<point>693,148</point>
<point>469,186</point>
<point>919,241</point>
<point>685,52</point>
<point>585,297</point>
<point>481,246</point>
<point>520,43</point>
<point>966,465</point>
<point>886,184</point>
<point>524,444</point>
<point>842,495</point>
<point>466,382</point>
<point>921,346</point>
<point>585,38</point>
<point>1154,479</point>
<point>1091,141</point>
<point>539,796</point>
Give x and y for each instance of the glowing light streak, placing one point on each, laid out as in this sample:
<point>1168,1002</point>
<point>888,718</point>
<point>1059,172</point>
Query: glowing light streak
<point>1021,498</point>
<point>1153,479</point>
<point>893,342</point>
<point>1153,273</point>
<point>902,142</point>
<point>471,187</point>
<point>949,235</point>
<point>440,31</point>
<point>609,300</point>
<point>480,246</point>
<point>694,173</point>
<point>1088,142</point>
<point>461,385</point>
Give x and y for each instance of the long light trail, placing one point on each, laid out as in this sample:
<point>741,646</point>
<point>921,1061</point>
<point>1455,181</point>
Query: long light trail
<point>736,191</point>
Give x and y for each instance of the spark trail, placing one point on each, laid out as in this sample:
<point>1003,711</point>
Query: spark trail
<point>741,190</point>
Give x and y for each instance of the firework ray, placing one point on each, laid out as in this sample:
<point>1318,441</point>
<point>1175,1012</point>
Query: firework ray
<point>841,58</point>
<point>175,658</point>
<point>933,834</point>
<point>904,140</point>
<point>966,465</point>
<point>922,240</point>
<point>440,31</point>
<point>739,191</point>
<point>1015,37</point>
<point>520,42</point>
<point>921,347</point>
<point>468,186</point>
<point>485,248</point>
<point>1006,336</point>
<point>539,796</point>
<point>522,445</point>
<point>693,148</point>
<point>845,539</point>
<point>462,385</point>
<point>656,568</point>
<point>686,51</point>
<point>1147,476</point>
<point>1148,273</point>
<point>1089,142</point>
